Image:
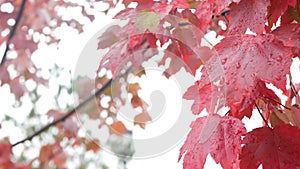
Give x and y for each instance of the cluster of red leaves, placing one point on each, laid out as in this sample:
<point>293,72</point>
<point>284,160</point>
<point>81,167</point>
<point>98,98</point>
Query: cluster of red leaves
<point>36,18</point>
<point>235,73</point>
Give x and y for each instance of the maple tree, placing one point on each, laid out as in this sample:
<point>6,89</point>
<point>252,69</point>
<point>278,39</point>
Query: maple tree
<point>260,40</point>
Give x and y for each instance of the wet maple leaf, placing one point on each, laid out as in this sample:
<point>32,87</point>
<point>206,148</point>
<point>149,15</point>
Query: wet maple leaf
<point>202,97</point>
<point>291,39</point>
<point>124,52</point>
<point>203,13</point>
<point>250,14</point>
<point>162,8</point>
<point>278,7</point>
<point>219,136</point>
<point>244,59</point>
<point>291,14</point>
<point>179,4</point>
<point>219,5</point>
<point>273,148</point>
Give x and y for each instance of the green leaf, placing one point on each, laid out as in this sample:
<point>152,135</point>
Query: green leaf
<point>147,20</point>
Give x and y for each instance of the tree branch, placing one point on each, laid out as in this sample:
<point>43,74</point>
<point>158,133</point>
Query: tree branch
<point>278,103</point>
<point>267,124</point>
<point>64,117</point>
<point>13,30</point>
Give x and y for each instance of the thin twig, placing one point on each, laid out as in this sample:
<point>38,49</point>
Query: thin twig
<point>267,124</point>
<point>278,102</point>
<point>64,117</point>
<point>13,30</point>
<point>293,86</point>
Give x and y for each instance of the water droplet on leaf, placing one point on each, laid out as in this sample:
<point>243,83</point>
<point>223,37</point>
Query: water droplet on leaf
<point>223,61</point>
<point>278,78</point>
<point>279,58</point>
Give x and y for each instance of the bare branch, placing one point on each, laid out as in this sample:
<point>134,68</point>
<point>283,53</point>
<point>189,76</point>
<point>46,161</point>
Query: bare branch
<point>278,102</point>
<point>64,117</point>
<point>13,30</point>
<point>267,124</point>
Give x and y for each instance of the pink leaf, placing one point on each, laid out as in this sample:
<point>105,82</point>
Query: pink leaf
<point>219,136</point>
<point>250,14</point>
<point>273,148</point>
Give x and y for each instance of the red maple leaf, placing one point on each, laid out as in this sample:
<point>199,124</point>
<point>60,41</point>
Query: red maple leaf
<point>120,54</point>
<point>204,97</point>
<point>219,136</point>
<point>162,8</point>
<point>291,15</point>
<point>250,14</point>
<point>273,148</point>
<point>219,5</point>
<point>179,4</point>
<point>278,7</point>
<point>203,13</point>
<point>292,38</point>
<point>244,59</point>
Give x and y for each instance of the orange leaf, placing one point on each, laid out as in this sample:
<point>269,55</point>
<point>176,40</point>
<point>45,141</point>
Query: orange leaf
<point>142,119</point>
<point>133,88</point>
<point>117,128</point>
<point>92,145</point>
<point>136,101</point>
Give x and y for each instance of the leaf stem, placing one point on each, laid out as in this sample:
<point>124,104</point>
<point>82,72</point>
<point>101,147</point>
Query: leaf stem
<point>13,30</point>
<point>277,102</point>
<point>293,86</point>
<point>267,124</point>
<point>64,117</point>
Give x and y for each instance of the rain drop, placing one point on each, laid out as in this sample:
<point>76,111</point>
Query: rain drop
<point>223,61</point>
<point>269,63</point>
<point>279,58</point>
<point>238,65</point>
